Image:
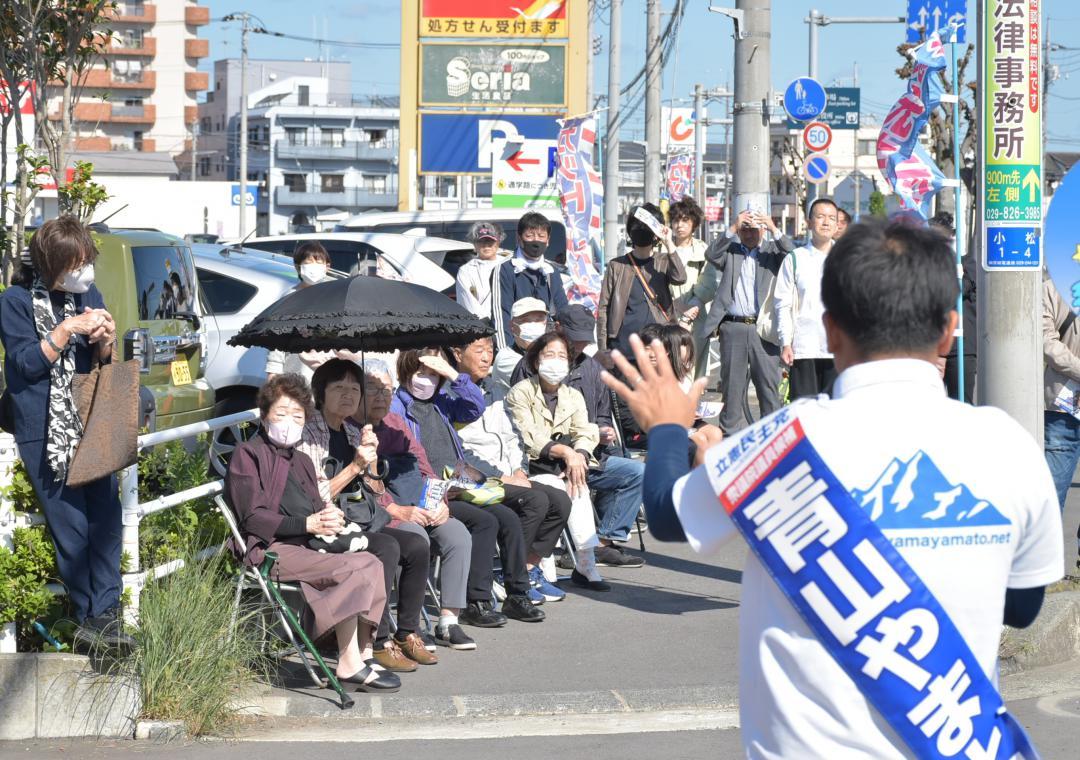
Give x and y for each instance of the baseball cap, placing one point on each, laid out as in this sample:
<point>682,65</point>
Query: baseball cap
<point>578,323</point>
<point>485,231</point>
<point>527,306</point>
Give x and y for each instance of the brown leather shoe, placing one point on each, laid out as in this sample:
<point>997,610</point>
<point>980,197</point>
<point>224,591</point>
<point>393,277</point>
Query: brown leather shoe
<point>413,647</point>
<point>393,659</point>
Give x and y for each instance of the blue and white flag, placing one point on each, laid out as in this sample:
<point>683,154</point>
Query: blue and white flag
<point>581,196</point>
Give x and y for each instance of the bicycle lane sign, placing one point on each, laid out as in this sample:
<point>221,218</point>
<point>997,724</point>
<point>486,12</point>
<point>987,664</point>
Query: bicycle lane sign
<point>804,99</point>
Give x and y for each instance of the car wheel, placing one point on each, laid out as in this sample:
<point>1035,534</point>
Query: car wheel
<point>225,440</point>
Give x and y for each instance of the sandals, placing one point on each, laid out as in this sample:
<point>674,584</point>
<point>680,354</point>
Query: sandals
<point>384,682</point>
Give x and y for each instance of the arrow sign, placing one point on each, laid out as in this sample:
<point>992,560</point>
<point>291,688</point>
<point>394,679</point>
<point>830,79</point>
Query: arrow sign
<point>517,161</point>
<point>1031,184</point>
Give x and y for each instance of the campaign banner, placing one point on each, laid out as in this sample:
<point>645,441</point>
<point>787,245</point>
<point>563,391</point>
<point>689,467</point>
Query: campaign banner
<point>467,74</point>
<point>493,18</point>
<point>680,176</point>
<point>906,165</point>
<point>581,195</point>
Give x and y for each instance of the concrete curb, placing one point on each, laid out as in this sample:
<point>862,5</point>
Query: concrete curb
<point>1053,639</point>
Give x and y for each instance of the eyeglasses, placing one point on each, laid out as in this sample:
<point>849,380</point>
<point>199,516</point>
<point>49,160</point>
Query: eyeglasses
<point>379,391</point>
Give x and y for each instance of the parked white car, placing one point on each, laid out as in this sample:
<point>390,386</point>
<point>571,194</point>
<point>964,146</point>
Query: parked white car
<point>411,258</point>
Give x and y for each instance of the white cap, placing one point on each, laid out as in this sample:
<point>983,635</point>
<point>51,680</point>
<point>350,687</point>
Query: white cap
<point>527,306</point>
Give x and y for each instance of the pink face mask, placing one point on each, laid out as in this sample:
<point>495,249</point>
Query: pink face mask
<point>285,433</point>
<point>422,387</point>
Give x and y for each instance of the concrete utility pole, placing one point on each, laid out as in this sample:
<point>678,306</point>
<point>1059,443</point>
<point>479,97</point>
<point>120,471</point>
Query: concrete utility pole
<point>194,147</point>
<point>652,102</point>
<point>244,18</point>
<point>700,120</point>
<point>612,234</point>
<point>752,81</point>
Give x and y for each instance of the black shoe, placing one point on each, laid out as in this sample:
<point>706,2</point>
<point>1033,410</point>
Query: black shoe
<point>615,556</point>
<point>384,682</point>
<point>103,631</point>
<point>455,638</point>
<point>566,561</point>
<point>428,639</point>
<point>480,615</point>
<point>518,607</point>
<point>580,580</point>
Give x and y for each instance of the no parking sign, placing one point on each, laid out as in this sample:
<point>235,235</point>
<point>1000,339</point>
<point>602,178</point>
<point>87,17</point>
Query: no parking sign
<point>816,168</point>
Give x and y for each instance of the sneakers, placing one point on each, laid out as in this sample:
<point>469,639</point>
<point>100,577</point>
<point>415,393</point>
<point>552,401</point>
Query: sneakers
<point>455,638</point>
<point>534,596</point>
<point>390,657</point>
<point>518,607</point>
<point>429,641</point>
<point>413,648</point>
<point>481,615</point>
<point>539,583</point>
<point>501,592</point>
<point>498,586</point>
<point>105,630</point>
<point>615,556</point>
<point>580,580</point>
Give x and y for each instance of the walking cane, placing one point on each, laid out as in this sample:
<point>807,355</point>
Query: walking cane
<point>264,570</point>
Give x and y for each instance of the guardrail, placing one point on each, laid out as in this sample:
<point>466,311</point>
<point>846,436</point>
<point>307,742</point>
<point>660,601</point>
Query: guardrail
<point>133,511</point>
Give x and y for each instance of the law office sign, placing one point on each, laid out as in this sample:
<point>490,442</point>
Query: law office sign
<point>462,74</point>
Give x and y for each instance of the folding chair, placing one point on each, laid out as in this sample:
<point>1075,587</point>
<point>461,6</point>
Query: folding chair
<point>248,578</point>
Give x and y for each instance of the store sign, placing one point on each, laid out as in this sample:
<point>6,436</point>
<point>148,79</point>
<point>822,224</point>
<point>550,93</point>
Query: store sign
<point>489,74</point>
<point>493,18</point>
<point>524,176</point>
<point>461,143</point>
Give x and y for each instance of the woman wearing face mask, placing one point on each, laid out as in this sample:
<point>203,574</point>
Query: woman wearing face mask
<point>312,263</point>
<point>54,324</point>
<point>269,480</point>
<point>559,440</point>
<point>431,413</point>
<point>636,290</point>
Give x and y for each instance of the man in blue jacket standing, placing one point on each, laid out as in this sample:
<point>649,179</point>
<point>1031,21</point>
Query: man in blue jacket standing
<point>526,275</point>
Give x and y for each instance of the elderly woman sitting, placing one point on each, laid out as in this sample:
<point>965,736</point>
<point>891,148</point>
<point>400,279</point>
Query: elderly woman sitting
<point>270,485</point>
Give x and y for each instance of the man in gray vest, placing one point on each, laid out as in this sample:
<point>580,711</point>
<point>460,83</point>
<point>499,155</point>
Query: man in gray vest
<point>745,271</point>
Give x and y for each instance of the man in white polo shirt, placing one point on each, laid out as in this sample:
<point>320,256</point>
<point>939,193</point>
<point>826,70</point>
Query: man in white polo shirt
<point>945,500</point>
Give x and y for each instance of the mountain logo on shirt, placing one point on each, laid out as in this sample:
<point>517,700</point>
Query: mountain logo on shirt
<point>915,494</point>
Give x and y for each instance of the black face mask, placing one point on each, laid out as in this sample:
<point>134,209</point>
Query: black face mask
<point>534,249</point>
<point>642,236</point>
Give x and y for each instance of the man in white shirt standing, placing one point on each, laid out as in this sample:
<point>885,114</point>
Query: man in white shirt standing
<point>798,307</point>
<point>474,277</point>
<point>920,536</point>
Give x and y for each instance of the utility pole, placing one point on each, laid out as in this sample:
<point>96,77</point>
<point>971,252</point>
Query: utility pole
<point>194,147</point>
<point>753,26</point>
<point>612,234</point>
<point>700,120</point>
<point>653,67</point>
<point>244,18</point>
<point>590,55</point>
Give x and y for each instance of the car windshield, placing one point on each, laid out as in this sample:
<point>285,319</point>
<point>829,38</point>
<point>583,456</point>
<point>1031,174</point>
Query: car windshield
<point>164,280</point>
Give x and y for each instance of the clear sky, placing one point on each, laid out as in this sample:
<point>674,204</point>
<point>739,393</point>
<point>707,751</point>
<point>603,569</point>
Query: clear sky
<point>703,53</point>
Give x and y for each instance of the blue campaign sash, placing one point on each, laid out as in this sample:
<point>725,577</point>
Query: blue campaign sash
<point>864,603</point>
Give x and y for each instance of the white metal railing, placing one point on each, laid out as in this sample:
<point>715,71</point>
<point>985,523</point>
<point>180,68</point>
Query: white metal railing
<point>132,510</point>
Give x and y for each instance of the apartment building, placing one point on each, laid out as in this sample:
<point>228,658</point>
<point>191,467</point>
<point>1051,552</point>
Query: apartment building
<point>218,149</point>
<point>140,95</point>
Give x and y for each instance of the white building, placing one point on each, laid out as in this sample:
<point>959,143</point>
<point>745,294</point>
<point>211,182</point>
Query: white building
<point>316,163</point>
<point>140,94</point>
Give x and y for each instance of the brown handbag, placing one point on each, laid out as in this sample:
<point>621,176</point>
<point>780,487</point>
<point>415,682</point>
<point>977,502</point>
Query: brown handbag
<point>107,400</point>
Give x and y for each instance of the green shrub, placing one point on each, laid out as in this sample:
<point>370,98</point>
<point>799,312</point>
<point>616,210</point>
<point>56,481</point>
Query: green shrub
<point>24,572</point>
<point>189,664</point>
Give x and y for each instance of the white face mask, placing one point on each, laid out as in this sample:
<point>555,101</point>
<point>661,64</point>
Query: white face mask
<point>78,281</point>
<point>422,387</point>
<point>284,433</point>
<point>312,273</point>
<point>531,331</point>
<point>554,371</point>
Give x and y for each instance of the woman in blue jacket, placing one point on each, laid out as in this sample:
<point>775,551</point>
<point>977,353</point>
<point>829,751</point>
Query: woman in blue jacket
<point>431,414</point>
<point>51,324</point>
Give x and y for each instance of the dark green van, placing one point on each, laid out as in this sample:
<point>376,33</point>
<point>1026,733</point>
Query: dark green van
<point>149,284</point>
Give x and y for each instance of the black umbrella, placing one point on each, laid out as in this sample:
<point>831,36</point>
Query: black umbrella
<point>362,314</point>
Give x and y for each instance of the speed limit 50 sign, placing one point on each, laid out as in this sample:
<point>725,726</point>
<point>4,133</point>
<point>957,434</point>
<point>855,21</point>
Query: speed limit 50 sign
<point>817,136</point>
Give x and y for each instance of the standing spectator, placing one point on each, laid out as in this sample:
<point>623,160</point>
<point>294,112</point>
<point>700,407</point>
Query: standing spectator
<point>431,413</point>
<point>493,447</point>
<point>636,290</point>
<point>693,297</point>
<point>474,277</point>
<point>526,275</point>
<point>798,307</point>
<point>843,219</point>
<point>312,263</point>
<point>944,223</point>
<point>529,320</point>
<point>1061,352</point>
<point>54,325</point>
<point>746,269</point>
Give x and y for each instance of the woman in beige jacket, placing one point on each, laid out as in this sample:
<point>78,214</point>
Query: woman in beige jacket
<point>559,441</point>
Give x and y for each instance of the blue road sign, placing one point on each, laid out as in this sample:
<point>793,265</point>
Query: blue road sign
<point>816,169</point>
<point>804,99</point>
<point>453,143</point>
<point>252,197</point>
<point>1012,248</point>
<point>924,17</point>
<point>841,109</point>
